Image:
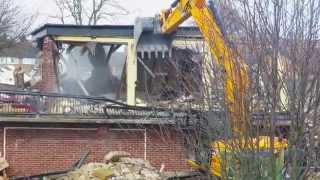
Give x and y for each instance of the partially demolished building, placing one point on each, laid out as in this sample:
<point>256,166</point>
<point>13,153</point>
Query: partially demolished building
<point>97,66</point>
<point>98,91</point>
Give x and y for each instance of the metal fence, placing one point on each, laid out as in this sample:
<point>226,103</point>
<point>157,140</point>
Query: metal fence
<point>50,104</point>
<point>14,103</point>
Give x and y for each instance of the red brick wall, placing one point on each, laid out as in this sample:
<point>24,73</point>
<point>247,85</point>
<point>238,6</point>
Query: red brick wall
<point>166,147</point>
<point>131,140</point>
<point>48,62</point>
<point>32,151</point>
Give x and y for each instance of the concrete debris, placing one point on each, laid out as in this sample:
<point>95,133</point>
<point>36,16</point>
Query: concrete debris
<point>103,173</point>
<point>118,166</point>
<point>114,156</point>
<point>3,164</point>
<point>314,176</point>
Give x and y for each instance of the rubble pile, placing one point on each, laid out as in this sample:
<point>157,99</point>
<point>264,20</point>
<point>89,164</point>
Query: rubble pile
<point>314,176</point>
<point>116,166</point>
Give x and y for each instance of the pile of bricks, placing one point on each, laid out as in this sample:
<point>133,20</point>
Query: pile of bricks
<point>117,166</point>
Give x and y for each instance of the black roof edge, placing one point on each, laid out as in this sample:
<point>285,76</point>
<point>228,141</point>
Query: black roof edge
<point>131,27</point>
<point>78,26</point>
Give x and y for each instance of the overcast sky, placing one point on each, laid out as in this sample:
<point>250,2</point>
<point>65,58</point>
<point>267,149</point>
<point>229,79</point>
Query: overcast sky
<point>47,8</point>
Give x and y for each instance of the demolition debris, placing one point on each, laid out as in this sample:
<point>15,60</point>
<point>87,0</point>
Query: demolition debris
<point>117,165</point>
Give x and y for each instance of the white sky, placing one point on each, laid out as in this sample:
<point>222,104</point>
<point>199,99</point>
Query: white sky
<point>47,8</point>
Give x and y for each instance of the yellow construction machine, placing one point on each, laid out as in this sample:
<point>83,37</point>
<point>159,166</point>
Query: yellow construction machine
<point>236,77</point>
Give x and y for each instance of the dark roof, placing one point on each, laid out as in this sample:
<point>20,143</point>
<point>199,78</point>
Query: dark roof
<point>124,31</point>
<point>23,49</point>
<point>83,30</point>
<point>9,87</point>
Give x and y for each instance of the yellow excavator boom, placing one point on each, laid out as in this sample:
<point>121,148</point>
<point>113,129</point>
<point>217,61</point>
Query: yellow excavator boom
<point>236,78</point>
<point>147,36</point>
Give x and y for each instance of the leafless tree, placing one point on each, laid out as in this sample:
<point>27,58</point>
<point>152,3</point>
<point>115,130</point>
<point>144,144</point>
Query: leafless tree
<point>279,40</point>
<point>91,12</point>
<point>282,39</point>
<point>14,24</point>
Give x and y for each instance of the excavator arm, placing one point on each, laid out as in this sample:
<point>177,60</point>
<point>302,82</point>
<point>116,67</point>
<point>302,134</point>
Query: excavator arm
<point>154,33</point>
<point>236,78</point>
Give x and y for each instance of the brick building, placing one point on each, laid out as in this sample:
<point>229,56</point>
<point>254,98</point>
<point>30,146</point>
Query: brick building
<point>34,143</point>
<point>31,149</point>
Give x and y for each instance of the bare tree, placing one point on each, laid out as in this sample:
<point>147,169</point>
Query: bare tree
<point>91,12</point>
<point>279,40</point>
<point>14,24</point>
<point>283,40</point>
